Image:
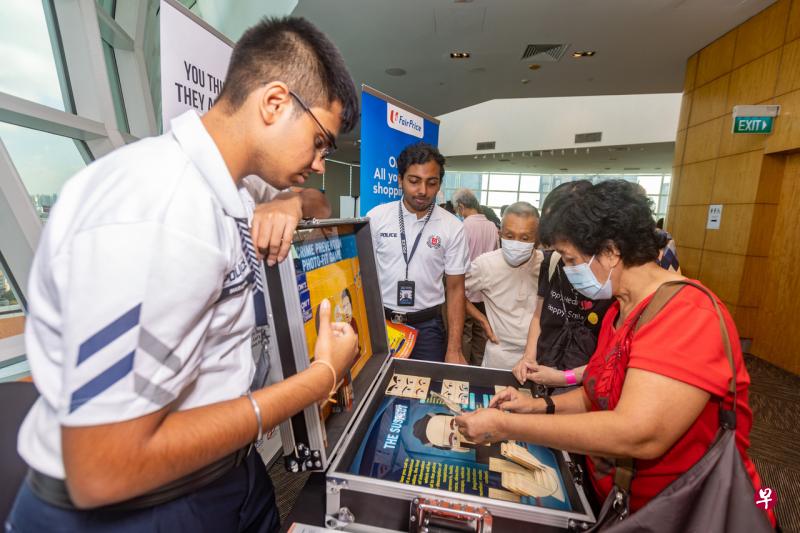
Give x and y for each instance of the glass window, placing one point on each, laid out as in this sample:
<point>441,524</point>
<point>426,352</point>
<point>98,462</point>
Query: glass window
<point>109,5</point>
<point>12,320</point>
<point>504,182</point>
<point>471,181</point>
<point>532,198</point>
<point>116,87</point>
<point>497,199</point>
<point>26,54</point>
<point>651,184</point>
<point>43,161</point>
<point>529,183</point>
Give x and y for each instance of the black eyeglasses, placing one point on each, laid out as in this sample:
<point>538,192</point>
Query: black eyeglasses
<point>326,151</point>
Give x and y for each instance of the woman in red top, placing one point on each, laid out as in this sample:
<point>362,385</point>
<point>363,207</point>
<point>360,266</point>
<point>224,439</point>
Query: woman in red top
<point>656,398</point>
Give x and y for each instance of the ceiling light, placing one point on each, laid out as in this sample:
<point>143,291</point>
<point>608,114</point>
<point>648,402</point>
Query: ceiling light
<point>395,71</point>
<point>524,81</point>
<point>459,55</point>
<point>583,53</point>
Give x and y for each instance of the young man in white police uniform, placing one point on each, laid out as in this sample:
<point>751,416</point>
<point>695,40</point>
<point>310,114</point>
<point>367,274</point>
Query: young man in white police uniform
<point>508,279</point>
<point>145,292</point>
<point>417,243</point>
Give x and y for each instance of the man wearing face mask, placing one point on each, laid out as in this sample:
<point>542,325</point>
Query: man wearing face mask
<point>507,280</point>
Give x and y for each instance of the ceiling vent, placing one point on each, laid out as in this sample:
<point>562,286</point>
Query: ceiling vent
<point>485,145</point>
<point>544,52</point>
<point>594,137</point>
<point>631,168</point>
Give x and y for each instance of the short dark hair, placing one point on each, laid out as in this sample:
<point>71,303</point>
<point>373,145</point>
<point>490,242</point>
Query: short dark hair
<point>296,52</point>
<point>419,154</point>
<point>611,212</point>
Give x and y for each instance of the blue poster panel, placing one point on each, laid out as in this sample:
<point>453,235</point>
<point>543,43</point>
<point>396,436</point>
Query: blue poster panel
<point>387,128</point>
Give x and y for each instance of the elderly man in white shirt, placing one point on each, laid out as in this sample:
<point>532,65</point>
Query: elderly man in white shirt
<point>508,279</point>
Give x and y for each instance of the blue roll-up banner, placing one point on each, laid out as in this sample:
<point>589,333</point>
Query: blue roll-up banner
<point>387,126</point>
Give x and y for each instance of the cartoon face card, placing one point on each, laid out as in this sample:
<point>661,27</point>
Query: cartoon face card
<point>405,386</point>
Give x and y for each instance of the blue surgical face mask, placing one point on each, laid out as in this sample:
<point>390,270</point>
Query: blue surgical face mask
<point>583,279</point>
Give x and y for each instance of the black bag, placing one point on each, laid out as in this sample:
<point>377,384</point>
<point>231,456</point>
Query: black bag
<point>716,494</point>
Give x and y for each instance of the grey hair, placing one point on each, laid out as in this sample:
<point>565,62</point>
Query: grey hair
<point>521,209</point>
<point>465,198</point>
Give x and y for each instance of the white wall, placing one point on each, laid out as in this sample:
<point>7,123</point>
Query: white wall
<point>551,123</point>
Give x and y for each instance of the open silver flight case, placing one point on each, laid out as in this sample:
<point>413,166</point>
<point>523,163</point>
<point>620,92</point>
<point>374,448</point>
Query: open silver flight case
<point>361,503</point>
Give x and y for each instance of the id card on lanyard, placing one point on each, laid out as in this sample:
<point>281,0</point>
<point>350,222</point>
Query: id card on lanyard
<point>405,288</point>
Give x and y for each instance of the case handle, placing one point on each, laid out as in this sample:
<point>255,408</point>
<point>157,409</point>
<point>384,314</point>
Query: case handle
<point>429,515</point>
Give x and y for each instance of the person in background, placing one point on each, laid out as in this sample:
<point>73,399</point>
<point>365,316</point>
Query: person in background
<point>151,390</point>
<point>507,279</point>
<point>668,257</point>
<point>481,237</point>
<point>503,210</point>
<point>562,334</point>
<point>489,213</point>
<point>654,394</point>
<point>417,244</point>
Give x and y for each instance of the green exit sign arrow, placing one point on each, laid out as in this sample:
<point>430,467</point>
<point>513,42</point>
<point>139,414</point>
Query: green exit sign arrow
<point>752,124</point>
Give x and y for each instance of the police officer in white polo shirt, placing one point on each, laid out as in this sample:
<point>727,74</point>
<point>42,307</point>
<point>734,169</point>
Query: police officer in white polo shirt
<point>417,244</point>
<point>144,296</point>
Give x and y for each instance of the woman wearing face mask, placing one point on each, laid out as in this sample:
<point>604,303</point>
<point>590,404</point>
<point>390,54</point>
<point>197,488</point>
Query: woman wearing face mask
<point>563,333</point>
<point>506,281</point>
<point>652,393</point>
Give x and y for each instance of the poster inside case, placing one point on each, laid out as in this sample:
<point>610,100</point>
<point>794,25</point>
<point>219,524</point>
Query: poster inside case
<point>412,439</point>
<point>327,266</point>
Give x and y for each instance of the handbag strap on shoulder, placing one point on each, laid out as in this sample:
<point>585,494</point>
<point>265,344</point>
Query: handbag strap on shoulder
<point>626,467</point>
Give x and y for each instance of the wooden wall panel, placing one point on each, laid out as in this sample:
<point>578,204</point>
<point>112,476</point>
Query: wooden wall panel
<point>730,144</point>
<point>697,181</point>
<point>746,319</point>
<point>715,59</point>
<point>689,259</point>
<point>722,273</point>
<point>691,73</point>
<point>733,235</point>
<point>754,82</point>
<point>686,107</point>
<point>777,337</point>
<point>736,179</point>
<point>709,100</point>
<point>762,228</point>
<point>12,326</point>
<point>789,76</point>
<point>751,291</point>
<point>702,142</point>
<point>793,26</point>
<point>689,226</point>
<point>761,33</point>
<point>769,183</point>
<point>680,143</point>
<point>786,133</point>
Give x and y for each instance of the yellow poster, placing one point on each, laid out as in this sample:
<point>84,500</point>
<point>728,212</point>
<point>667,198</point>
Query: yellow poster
<point>326,262</point>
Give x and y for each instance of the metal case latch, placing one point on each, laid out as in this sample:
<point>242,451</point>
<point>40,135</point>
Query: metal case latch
<point>429,514</point>
<point>577,472</point>
<point>303,459</point>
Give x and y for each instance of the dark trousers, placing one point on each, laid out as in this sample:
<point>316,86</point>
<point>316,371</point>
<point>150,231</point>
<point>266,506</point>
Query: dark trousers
<point>242,500</point>
<point>473,341</point>
<point>431,343</point>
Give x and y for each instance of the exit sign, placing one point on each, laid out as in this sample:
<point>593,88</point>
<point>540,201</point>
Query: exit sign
<point>752,124</point>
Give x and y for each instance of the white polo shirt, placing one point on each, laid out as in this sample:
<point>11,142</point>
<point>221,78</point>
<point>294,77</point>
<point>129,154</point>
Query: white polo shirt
<point>140,294</point>
<point>442,250</point>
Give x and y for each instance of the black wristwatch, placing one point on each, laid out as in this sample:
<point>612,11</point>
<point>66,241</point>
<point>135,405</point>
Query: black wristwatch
<point>551,407</point>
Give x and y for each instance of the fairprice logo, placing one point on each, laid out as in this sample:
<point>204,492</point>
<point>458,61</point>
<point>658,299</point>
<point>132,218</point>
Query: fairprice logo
<point>402,120</point>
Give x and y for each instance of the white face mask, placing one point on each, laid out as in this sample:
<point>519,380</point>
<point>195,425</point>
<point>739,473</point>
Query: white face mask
<point>583,279</point>
<point>516,252</point>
